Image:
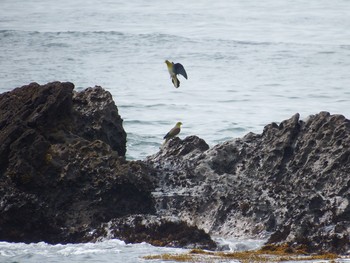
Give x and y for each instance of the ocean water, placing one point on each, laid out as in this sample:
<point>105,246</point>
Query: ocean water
<point>107,251</point>
<point>115,251</point>
<point>249,63</point>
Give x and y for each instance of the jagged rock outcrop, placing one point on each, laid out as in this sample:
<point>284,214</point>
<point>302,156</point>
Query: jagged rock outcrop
<point>60,167</point>
<point>63,174</point>
<point>155,230</point>
<point>64,178</point>
<point>290,183</point>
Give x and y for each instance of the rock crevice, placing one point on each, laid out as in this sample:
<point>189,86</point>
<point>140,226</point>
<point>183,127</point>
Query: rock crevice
<point>64,178</point>
<point>287,183</point>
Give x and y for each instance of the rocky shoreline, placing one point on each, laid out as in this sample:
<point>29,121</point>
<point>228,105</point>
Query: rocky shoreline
<point>64,178</point>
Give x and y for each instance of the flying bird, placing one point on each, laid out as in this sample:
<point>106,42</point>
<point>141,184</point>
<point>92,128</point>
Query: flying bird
<point>174,70</point>
<point>173,132</point>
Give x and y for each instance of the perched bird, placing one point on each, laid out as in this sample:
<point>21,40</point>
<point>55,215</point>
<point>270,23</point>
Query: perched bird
<point>173,132</point>
<point>175,69</point>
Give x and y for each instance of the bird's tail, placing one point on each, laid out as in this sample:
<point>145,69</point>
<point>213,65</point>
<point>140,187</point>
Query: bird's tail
<point>165,141</point>
<point>175,81</point>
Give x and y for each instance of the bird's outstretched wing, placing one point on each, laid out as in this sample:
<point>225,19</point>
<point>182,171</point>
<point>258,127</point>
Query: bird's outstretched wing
<point>179,69</point>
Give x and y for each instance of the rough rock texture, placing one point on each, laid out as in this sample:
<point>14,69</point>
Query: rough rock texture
<point>290,183</point>
<point>64,178</point>
<point>63,174</point>
<point>60,170</point>
<point>154,230</point>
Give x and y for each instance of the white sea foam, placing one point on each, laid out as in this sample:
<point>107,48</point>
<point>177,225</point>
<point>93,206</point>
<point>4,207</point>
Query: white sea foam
<point>249,63</point>
<point>106,251</point>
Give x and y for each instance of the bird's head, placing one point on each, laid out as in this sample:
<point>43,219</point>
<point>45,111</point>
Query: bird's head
<point>168,63</point>
<point>179,124</point>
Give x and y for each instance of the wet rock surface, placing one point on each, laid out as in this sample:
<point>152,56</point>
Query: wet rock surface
<point>290,183</point>
<point>62,164</point>
<point>63,174</point>
<point>154,230</point>
<point>64,178</point>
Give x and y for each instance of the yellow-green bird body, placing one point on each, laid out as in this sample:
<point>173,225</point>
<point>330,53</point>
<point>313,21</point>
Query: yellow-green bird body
<point>175,69</point>
<point>173,132</point>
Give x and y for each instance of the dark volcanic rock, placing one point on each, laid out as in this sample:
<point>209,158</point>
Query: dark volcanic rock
<point>64,178</point>
<point>154,230</point>
<point>63,174</point>
<point>62,165</point>
<point>97,118</point>
<point>290,183</point>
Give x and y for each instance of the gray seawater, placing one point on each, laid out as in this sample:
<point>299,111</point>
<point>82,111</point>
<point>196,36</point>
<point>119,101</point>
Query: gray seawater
<point>106,251</point>
<point>249,63</point>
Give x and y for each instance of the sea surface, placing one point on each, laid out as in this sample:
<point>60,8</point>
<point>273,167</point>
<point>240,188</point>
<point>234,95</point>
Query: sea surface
<point>102,252</point>
<point>249,63</point>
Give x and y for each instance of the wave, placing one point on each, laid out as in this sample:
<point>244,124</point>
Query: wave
<point>58,33</point>
<point>10,32</point>
<point>157,37</point>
